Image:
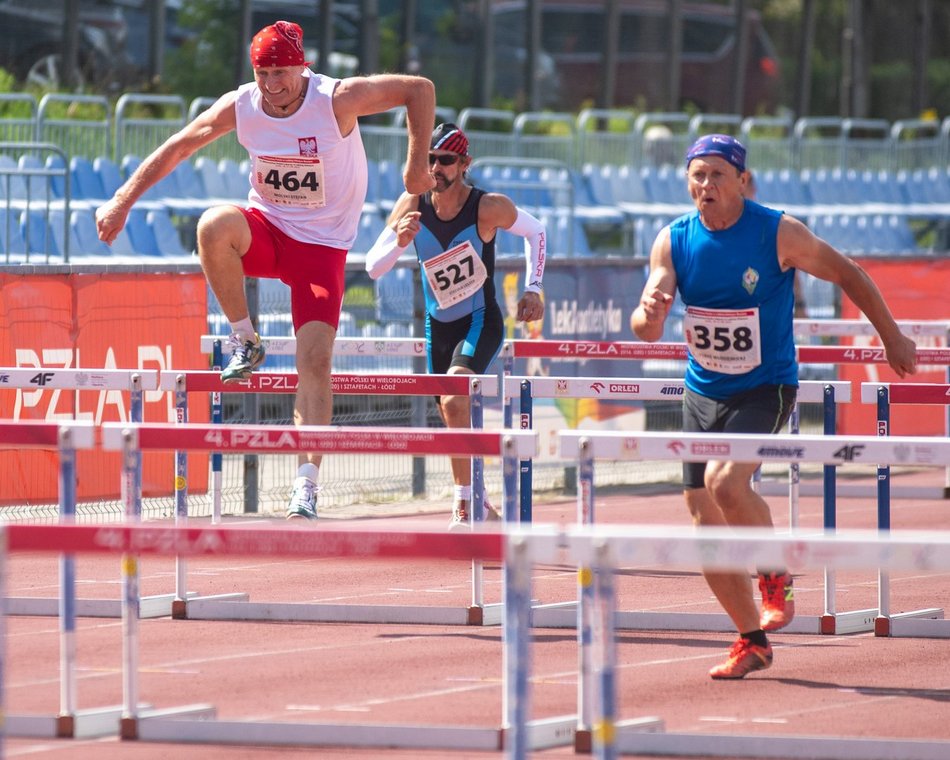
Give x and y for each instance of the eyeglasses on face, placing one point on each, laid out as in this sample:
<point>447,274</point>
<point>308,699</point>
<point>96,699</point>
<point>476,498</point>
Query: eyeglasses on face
<point>446,159</point>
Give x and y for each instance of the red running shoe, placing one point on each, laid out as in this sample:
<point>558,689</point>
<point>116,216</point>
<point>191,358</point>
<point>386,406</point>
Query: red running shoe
<point>744,657</point>
<point>778,601</point>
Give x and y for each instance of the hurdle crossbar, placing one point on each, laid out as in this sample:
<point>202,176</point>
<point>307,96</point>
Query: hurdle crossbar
<point>603,548</point>
<point>384,384</point>
<point>341,346</point>
<point>581,349</point>
<point>293,440</point>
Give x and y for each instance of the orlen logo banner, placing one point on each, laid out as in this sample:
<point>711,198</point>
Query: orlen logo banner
<point>108,321</point>
<point>913,290</point>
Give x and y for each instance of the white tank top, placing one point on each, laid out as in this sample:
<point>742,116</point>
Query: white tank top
<point>307,177</point>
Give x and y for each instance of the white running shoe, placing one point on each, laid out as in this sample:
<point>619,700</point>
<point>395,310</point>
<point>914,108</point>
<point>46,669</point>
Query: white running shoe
<point>460,517</point>
<point>303,500</point>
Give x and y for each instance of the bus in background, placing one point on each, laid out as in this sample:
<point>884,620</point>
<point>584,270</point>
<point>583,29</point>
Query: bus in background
<point>573,33</point>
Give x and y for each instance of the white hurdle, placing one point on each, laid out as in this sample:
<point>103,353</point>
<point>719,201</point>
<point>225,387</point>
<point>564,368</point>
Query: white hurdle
<point>927,622</point>
<point>510,445</point>
<point>563,614</point>
<point>476,387</point>
<point>613,547</point>
<point>70,721</point>
<point>587,446</point>
<point>81,380</point>
<point>606,549</point>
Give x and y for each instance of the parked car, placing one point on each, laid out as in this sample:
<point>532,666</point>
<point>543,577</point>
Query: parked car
<point>572,33</point>
<point>31,46</point>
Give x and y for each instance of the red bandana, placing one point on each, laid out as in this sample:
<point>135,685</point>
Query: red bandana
<point>278,45</point>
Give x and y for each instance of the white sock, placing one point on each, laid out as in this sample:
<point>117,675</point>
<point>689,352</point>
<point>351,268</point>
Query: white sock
<point>245,329</point>
<point>309,470</point>
<point>463,493</point>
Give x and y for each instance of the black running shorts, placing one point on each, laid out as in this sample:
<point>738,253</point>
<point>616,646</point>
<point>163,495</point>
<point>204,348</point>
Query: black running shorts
<point>761,410</point>
<point>471,342</point>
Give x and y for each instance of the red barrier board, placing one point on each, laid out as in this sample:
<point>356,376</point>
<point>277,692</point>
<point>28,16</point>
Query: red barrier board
<point>121,321</point>
<point>913,290</point>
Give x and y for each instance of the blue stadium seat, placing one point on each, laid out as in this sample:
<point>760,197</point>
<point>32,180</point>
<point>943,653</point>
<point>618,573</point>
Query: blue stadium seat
<point>85,182</point>
<point>82,222</point>
<point>11,235</point>
<point>55,161</point>
<point>109,174</point>
<point>792,189</point>
<point>167,239</point>
<point>370,226</point>
<point>214,183</point>
<point>137,237</point>
<point>38,186</point>
<point>598,180</point>
<point>12,184</point>
<point>395,293</point>
<point>36,232</point>
<point>234,178</point>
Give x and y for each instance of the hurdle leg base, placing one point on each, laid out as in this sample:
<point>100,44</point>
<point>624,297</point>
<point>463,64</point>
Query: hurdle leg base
<point>583,741</point>
<point>129,729</point>
<point>475,615</point>
<point>854,621</point>
<point>884,625</point>
<point>65,727</point>
<point>179,608</point>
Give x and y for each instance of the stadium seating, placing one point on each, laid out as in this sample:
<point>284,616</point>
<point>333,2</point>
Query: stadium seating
<point>167,237</point>
<point>395,293</point>
<point>86,240</point>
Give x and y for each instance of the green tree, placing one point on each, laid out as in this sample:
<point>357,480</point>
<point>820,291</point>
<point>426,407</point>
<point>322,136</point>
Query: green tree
<point>205,64</point>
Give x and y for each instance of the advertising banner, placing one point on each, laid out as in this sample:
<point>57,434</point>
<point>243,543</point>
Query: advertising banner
<point>97,321</point>
<point>581,302</point>
<point>913,290</point>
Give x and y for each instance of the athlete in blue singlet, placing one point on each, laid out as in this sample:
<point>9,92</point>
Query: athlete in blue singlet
<point>733,262</point>
<point>453,228</point>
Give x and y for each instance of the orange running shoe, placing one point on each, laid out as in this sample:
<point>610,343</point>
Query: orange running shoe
<point>778,601</point>
<point>744,657</point>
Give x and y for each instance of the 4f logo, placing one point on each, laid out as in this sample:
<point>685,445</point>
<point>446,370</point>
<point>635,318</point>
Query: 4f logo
<point>42,378</point>
<point>849,452</point>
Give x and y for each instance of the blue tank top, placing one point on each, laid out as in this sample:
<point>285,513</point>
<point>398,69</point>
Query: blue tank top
<point>436,236</point>
<point>737,268</point>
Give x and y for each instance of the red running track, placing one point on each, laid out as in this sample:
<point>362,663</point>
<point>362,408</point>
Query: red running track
<point>855,685</point>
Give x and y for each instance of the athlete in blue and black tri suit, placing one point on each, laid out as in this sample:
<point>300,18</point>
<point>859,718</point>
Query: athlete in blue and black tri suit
<point>733,262</point>
<point>453,228</point>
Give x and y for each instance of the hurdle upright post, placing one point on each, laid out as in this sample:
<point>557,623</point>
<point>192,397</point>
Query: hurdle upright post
<point>507,369</point>
<point>583,740</point>
<point>128,726</point>
<point>794,471</point>
<point>477,418</point>
<point>882,623</point>
<point>65,721</point>
<point>516,633</point>
<point>217,417</point>
<point>827,624</point>
<point>604,728</point>
<point>525,465</point>
<point>181,497</point>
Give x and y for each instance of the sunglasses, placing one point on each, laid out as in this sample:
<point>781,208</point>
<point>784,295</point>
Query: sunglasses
<point>444,160</point>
